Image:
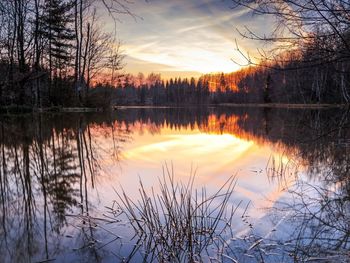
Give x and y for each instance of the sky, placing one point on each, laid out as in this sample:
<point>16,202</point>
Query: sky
<point>180,38</point>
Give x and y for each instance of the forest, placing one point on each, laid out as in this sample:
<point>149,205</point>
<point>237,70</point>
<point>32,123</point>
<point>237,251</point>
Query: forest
<point>56,53</point>
<point>52,50</point>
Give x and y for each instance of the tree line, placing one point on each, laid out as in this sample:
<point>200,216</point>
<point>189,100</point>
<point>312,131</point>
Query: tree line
<point>151,90</point>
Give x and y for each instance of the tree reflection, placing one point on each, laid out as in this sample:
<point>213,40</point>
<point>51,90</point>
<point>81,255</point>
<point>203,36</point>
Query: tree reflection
<point>314,217</point>
<point>50,163</point>
<point>46,163</point>
<point>321,219</point>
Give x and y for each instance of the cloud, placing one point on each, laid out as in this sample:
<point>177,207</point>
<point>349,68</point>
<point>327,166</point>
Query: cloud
<point>195,36</point>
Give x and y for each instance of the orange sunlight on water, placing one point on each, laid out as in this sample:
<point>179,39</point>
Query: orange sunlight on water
<point>213,157</point>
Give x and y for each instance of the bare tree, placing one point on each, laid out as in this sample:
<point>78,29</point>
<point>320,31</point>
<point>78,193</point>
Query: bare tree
<point>318,30</point>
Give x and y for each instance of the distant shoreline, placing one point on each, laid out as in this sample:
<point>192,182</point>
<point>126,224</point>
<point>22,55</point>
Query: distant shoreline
<point>26,109</point>
<point>285,105</point>
<point>257,105</point>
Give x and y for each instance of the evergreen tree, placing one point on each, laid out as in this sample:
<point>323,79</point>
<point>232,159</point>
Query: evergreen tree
<point>56,22</point>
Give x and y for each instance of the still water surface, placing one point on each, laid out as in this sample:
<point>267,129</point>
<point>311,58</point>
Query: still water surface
<point>60,175</point>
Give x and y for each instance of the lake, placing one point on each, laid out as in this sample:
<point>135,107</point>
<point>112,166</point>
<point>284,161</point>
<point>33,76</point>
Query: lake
<point>62,178</point>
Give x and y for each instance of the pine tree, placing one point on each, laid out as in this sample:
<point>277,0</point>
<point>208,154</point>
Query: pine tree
<point>56,29</point>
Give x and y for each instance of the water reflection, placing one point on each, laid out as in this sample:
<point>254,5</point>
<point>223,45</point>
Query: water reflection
<point>55,167</point>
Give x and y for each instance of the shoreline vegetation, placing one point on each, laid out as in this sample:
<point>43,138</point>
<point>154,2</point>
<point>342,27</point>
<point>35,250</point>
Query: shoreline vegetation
<point>204,222</point>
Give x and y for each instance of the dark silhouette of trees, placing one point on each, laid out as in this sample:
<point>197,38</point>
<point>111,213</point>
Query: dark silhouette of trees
<point>51,51</point>
<point>311,47</point>
<point>131,90</point>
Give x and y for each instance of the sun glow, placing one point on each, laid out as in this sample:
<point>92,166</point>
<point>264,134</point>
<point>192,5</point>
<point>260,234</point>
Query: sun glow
<point>186,58</point>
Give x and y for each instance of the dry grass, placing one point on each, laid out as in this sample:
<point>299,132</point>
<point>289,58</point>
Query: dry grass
<point>181,224</point>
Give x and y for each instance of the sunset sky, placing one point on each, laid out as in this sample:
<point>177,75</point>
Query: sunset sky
<point>185,38</point>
